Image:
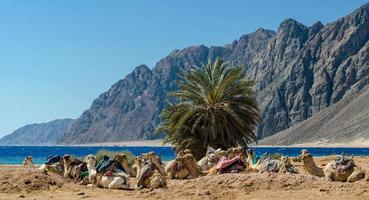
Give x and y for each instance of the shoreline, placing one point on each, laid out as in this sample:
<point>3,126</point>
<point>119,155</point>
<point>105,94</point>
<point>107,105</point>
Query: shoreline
<point>159,143</point>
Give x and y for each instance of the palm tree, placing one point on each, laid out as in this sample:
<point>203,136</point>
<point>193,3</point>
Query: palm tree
<point>215,108</point>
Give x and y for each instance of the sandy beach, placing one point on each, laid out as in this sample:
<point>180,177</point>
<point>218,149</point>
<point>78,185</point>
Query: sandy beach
<point>17,182</point>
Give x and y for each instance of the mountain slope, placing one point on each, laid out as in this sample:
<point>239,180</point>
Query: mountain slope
<point>38,134</point>
<point>298,71</point>
<point>345,122</point>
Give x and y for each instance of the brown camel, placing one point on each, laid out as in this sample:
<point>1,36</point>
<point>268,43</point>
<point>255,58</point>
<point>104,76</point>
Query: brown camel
<point>183,166</point>
<point>332,171</point>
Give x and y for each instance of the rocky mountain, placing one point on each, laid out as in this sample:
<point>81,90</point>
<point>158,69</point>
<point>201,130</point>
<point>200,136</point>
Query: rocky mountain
<point>344,123</point>
<point>298,71</point>
<point>38,134</point>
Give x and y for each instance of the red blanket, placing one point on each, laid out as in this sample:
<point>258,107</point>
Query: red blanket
<point>225,162</point>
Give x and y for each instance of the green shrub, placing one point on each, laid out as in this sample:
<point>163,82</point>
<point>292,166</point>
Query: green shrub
<point>100,154</point>
<point>275,156</point>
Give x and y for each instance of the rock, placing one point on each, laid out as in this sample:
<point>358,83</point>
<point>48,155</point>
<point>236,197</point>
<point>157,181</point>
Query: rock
<point>22,196</point>
<point>80,193</point>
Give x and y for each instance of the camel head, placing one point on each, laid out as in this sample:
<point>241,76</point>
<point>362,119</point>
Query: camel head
<point>156,160</point>
<point>28,161</point>
<point>235,151</point>
<point>286,160</point>
<point>90,160</point>
<point>183,152</point>
<point>189,162</point>
<point>250,153</point>
<point>214,155</point>
<point>305,156</point>
<point>123,160</point>
<point>67,159</point>
<point>138,161</point>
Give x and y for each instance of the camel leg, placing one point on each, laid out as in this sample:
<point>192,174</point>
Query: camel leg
<point>213,171</point>
<point>329,176</point>
<point>356,175</point>
<point>170,175</point>
<point>154,184</point>
<point>117,183</point>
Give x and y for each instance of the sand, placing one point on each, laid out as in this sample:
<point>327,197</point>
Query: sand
<point>226,186</point>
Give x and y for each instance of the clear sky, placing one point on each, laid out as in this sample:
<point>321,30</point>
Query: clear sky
<point>57,56</point>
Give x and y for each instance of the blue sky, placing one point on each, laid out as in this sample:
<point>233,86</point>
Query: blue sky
<point>57,56</point>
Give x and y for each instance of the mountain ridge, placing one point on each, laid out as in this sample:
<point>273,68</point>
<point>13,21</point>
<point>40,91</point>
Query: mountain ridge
<point>298,71</point>
<point>46,133</point>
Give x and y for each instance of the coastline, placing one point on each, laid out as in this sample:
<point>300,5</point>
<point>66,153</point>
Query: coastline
<point>357,143</point>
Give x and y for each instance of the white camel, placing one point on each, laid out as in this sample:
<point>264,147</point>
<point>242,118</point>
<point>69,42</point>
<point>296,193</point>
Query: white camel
<point>115,181</point>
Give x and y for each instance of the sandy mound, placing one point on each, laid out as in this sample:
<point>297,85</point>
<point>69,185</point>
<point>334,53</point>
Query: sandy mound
<point>232,186</point>
<point>22,179</point>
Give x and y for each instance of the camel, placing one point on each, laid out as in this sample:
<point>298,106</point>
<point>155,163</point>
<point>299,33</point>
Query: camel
<point>283,165</point>
<point>183,166</point>
<point>176,169</point>
<point>28,161</point>
<point>262,165</point>
<point>149,173</point>
<point>250,166</point>
<point>332,170</point>
<point>231,161</point>
<point>236,151</point>
<point>73,168</point>
<point>210,159</point>
<point>115,181</point>
<point>154,159</point>
<point>55,165</point>
<point>123,160</point>
<point>286,166</point>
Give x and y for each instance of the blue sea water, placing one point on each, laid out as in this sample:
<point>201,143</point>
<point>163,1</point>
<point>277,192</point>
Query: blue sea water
<point>16,154</point>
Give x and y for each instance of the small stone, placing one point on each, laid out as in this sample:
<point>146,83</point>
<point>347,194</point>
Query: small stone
<point>80,193</point>
<point>22,196</point>
<point>207,192</point>
<point>323,190</point>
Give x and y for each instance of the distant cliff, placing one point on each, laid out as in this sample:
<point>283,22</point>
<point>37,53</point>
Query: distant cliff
<point>344,123</point>
<point>38,134</point>
<point>298,71</point>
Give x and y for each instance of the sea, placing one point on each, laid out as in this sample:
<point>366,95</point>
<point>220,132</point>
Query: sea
<point>16,154</point>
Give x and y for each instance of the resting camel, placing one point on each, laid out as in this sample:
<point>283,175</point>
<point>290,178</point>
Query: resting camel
<point>57,168</point>
<point>123,160</point>
<point>183,166</point>
<point>210,159</point>
<point>149,172</point>
<point>269,165</point>
<point>73,168</point>
<point>153,157</point>
<point>28,161</point>
<point>332,170</point>
<point>286,166</point>
<point>231,161</point>
<point>115,181</point>
<point>235,151</point>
